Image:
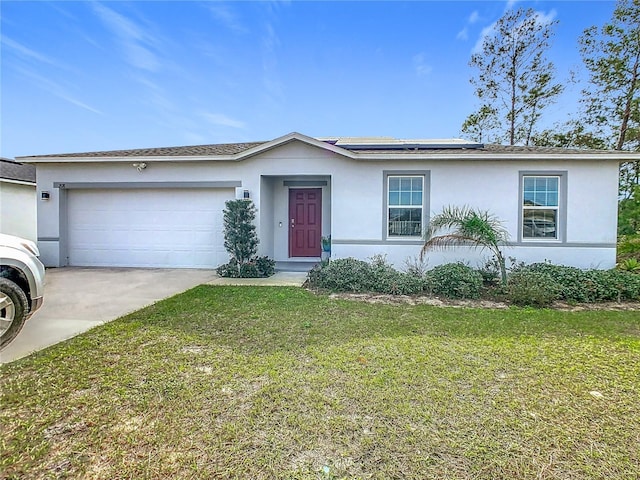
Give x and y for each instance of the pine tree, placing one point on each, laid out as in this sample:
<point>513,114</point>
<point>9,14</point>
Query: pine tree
<point>611,99</point>
<point>515,82</point>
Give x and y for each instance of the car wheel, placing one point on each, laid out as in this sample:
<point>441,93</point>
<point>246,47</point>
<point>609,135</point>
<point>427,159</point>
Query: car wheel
<point>13,311</point>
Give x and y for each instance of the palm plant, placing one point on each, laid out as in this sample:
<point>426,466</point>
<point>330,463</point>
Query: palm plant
<point>465,226</point>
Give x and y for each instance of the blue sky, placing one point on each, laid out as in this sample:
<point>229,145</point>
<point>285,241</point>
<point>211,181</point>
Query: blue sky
<point>85,76</point>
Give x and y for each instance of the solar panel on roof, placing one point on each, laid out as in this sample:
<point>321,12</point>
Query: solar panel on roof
<point>390,143</point>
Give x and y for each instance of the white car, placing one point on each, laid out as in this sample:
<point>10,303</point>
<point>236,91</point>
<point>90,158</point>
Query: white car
<point>21,285</point>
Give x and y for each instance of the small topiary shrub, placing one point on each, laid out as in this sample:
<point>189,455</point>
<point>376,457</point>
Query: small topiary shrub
<point>454,280</point>
<point>532,289</point>
<point>240,238</point>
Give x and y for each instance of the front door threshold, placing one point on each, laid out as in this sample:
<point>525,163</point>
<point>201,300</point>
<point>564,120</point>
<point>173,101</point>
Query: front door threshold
<point>297,264</point>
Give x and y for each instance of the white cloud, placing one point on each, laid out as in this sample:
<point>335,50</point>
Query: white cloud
<point>487,31</point>
<point>26,52</point>
<point>545,18</point>
<point>226,17</point>
<point>222,120</point>
<point>464,33</point>
<point>420,66</point>
<point>542,18</point>
<point>273,87</point>
<point>136,42</point>
<point>56,89</point>
<point>510,4</point>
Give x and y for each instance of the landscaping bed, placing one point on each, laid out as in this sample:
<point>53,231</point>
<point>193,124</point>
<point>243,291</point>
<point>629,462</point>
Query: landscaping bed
<point>470,303</point>
<point>536,285</point>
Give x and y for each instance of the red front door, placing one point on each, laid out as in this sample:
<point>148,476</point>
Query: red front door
<point>305,222</point>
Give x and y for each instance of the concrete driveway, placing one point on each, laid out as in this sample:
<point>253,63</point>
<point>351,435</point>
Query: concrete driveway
<point>77,299</point>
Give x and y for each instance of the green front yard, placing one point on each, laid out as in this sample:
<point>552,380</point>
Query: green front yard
<point>265,382</point>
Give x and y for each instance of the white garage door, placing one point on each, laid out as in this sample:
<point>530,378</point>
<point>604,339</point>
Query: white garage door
<point>146,227</point>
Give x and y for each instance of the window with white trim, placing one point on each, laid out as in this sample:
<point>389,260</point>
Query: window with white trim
<point>540,206</point>
<point>404,205</point>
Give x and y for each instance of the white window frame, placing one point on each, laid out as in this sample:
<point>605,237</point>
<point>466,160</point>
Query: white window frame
<point>423,176</point>
<point>560,208</point>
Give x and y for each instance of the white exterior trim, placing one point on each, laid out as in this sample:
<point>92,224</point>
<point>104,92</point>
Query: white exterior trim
<point>17,182</point>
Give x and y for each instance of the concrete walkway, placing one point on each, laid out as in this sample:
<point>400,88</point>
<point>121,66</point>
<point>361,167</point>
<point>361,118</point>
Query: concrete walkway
<point>78,299</point>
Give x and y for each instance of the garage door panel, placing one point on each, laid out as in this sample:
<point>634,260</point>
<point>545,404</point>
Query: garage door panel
<point>147,228</point>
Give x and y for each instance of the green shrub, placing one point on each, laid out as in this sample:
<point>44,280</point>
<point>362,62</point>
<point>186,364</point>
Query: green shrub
<point>588,285</point>
<point>240,238</point>
<point>352,275</point>
<point>342,275</point>
<point>628,247</point>
<point>454,280</point>
<point>614,285</point>
<point>629,265</point>
<point>257,267</point>
<point>628,283</point>
<point>571,279</point>
<point>265,265</point>
<point>386,279</point>
<point>531,288</point>
<point>249,270</point>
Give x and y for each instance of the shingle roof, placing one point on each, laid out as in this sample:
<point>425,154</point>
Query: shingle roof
<point>492,149</point>
<point>11,170</point>
<point>228,149</point>
<point>188,151</point>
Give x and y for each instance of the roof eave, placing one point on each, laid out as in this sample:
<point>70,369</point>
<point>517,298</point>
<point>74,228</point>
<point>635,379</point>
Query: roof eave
<point>294,136</point>
<point>494,157</point>
<point>126,159</point>
<point>345,153</point>
<point>17,181</point>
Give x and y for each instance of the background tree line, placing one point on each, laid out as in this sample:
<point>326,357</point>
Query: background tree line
<point>515,82</point>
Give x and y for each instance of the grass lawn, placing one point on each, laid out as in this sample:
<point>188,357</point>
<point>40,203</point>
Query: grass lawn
<point>268,382</point>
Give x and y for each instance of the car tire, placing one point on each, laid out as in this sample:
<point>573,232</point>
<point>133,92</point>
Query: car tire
<point>14,308</point>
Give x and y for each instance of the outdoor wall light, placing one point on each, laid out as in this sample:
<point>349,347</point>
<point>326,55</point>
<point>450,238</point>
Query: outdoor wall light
<point>140,166</point>
<point>44,195</point>
<point>245,195</point>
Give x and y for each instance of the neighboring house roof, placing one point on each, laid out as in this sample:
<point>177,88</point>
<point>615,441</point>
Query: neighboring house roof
<point>360,148</point>
<point>10,170</point>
